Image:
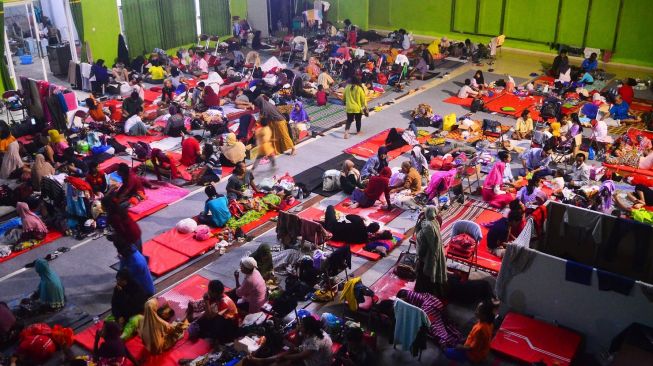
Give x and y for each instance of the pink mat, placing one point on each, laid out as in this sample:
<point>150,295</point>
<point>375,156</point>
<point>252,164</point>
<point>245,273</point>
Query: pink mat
<point>165,194</point>
<point>191,289</point>
<point>125,139</point>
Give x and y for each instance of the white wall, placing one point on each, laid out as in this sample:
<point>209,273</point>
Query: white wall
<point>542,291</point>
<point>257,15</point>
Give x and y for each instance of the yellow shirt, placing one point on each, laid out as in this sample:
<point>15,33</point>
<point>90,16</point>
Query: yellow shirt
<point>355,99</point>
<point>555,128</point>
<point>157,72</point>
<point>524,126</point>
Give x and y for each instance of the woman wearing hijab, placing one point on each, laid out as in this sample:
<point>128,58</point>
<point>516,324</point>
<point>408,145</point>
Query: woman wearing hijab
<point>375,163</point>
<point>58,144</point>
<point>350,177</point>
<point>298,114</point>
<point>313,68</point>
<point>210,98</point>
<point>431,261</point>
<point>418,160</point>
<point>157,334</point>
<point>40,169</point>
<point>252,294</point>
<point>277,123</point>
<point>233,151</point>
<point>50,292</point>
<point>263,257</point>
<point>33,227</point>
<point>378,185</point>
<point>175,125</point>
<point>440,182</point>
<point>112,351</point>
<point>491,190</point>
<point>11,161</point>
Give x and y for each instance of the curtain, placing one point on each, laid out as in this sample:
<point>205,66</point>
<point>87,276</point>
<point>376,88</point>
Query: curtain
<point>7,83</point>
<point>178,23</point>
<point>215,16</point>
<point>78,20</point>
<point>143,30</point>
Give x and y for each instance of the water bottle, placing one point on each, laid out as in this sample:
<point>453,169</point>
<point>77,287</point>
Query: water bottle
<point>96,319</point>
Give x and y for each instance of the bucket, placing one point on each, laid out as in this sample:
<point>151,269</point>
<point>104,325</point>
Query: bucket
<point>25,59</point>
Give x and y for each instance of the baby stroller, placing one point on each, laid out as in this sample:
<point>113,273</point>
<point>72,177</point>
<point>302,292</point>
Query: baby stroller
<point>299,46</point>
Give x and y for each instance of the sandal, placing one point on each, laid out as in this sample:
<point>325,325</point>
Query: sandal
<point>63,250</point>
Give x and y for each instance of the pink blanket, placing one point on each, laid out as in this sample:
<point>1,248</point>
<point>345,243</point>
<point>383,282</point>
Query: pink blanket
<point>164,195</point>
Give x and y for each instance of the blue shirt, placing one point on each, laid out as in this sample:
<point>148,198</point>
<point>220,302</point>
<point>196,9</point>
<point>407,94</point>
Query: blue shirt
<point>587,78</point>
<point>620,111</point>
<point>589,65</point>
<point>534,159</point>
<point>219,210</point>
<point>136,264</point>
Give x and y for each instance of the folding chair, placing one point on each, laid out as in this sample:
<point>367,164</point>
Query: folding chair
<point>469,169</point>
<point>13,101</point>
<point>215,39</point>
<point>474,231</point>
<point>203,38</point>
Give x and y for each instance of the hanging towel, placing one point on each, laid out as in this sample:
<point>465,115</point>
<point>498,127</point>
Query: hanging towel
<point>609,281</point>
<point>408,320</point>
<point>579,273</point>
<point>313,232</point>
<point>349,295</point>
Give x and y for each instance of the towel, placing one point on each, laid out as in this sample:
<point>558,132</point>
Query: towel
<point>579,273</point>
<point>609,281</point>
<point>349,295</point>
<point>408,320</point>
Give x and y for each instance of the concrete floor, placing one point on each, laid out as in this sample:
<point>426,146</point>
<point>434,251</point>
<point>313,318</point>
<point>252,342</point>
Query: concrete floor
<point>88,278</point>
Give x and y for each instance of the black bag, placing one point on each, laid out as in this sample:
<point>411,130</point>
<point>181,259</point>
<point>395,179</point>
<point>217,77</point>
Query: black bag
<point>477,105</point>
<point>113,88</point>
<point>284,304</point>
<point>407,266</point>
<point>117,147</point>
<point>551,108</point>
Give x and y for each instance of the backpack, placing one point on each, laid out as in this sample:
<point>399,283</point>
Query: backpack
<point>551,109</point>
<point>477,105</point>
<point>407,266</point>
<point>331,180</point>
<point>462,245</point>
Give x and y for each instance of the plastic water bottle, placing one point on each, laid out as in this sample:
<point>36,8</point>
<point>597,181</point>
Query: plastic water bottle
<point>96,319</point>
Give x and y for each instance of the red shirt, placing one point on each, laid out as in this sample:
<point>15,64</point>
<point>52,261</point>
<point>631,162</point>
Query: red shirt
<point>627,93</point>
<point>125,227</point>
<point>321,98</point>
<point>190,151</point>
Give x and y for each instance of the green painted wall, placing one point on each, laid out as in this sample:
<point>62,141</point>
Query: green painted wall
<point>432,17</point>
<point>355,10</point>
<point>572,22</point>
<point>238,7</point>
<point>531,20</point>
<point>464,19</point>
<point>101,28</point>
<point>635,37</point>
<point>528,24</point>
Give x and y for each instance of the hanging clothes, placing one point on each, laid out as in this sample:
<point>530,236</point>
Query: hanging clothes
<point>408,320</point>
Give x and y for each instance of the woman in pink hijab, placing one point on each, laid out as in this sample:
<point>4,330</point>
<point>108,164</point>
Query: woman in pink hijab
<point>33,227</point>
<point>492,192</point>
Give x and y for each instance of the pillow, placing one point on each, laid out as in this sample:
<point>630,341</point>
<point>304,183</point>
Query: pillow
<point>202,232</point>
<point>186,226</point>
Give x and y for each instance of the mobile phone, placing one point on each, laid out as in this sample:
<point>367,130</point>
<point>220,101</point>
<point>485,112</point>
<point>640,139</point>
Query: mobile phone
<point>33,120</point>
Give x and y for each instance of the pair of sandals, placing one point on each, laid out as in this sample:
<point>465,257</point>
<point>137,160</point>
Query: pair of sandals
<point>50,257</point>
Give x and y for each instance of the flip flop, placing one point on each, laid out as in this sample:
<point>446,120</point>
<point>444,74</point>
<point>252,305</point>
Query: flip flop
<point>63,250</point>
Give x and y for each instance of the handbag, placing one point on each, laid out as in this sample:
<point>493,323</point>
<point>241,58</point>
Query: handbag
<point>407,266</point>
<point>366,112</point>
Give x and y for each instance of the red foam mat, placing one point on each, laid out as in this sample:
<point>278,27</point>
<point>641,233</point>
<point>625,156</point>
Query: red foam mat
<point>510,100</point>
<point>125,139</point>
<point>486,259</point>
<point>49,238</point>
<point>359,249</point>
<point>312,213</point>
<point>111,164</point>
<point>185,244</point>
<point>369,147</point>
<point>389,284</point>
<point>143,214</point>
<point>375,213</point>
<point>529,340</point>
<point>465,102</point>
<point>161,258</point>
<point>183,349</point>
<point>191,289</point>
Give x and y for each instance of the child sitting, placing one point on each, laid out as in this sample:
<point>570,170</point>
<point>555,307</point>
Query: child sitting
<point>320,96</point>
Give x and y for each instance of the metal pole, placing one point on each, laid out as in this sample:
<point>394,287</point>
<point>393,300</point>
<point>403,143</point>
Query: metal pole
<point>38,40</point>
<point>198,18</point>
<point>71,34</point>
<point>10,61</point>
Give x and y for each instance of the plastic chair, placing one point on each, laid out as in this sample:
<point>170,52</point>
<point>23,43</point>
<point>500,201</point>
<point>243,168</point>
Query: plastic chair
<point>215,39</point>
<point>203,38</point>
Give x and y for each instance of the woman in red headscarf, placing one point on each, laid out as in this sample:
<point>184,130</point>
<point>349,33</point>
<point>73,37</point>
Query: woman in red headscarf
<point>378,185</point>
